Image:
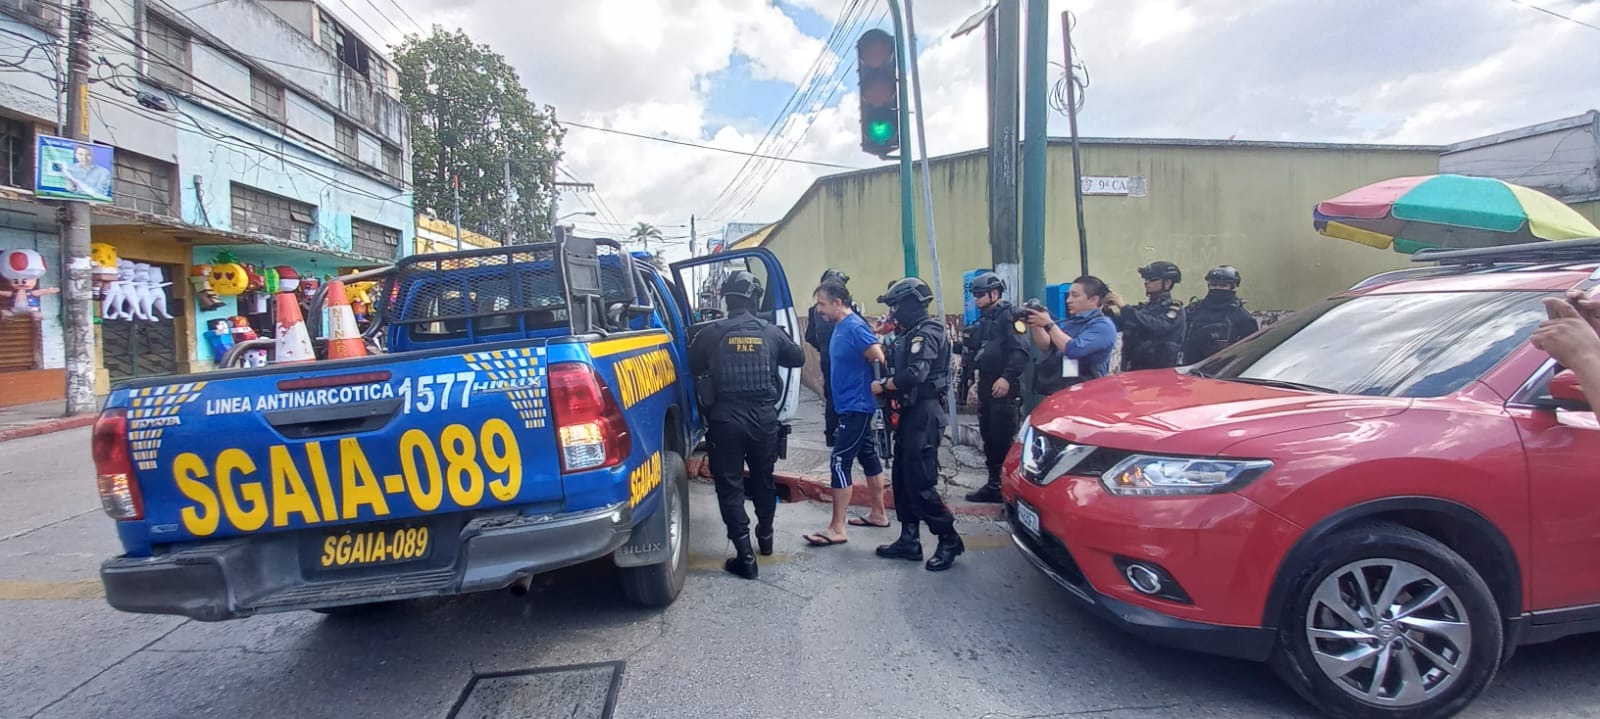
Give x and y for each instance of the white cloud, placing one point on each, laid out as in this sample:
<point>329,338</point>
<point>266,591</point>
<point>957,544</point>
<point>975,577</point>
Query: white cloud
<point>1431,71</point>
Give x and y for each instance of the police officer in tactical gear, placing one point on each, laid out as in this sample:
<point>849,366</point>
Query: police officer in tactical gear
<point>1152,331</point>
<point>920,376</point>
<point>1219,319</point>
<point>735,363</point>
<point>994,348</point>
<point>819,330</point>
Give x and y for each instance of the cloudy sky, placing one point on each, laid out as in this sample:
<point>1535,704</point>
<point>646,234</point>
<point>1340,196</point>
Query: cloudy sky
<point>725,72</point>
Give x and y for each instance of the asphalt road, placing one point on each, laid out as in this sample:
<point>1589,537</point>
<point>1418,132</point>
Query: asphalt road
<point>825,633</point>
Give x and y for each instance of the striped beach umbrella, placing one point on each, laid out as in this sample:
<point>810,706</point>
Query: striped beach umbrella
<point>1455,211</point>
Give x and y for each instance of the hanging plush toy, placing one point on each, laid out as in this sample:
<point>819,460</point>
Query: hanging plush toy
<point>229,278</point>
<point>115,304</point>
<point>153,300</point>
<point>271,274</point>
<point>104,259</point>
<point>288,279</point>
<point>140,291</point>
<point>22,270</point>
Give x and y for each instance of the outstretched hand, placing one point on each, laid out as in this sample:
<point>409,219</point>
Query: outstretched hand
<point>1570,337</point>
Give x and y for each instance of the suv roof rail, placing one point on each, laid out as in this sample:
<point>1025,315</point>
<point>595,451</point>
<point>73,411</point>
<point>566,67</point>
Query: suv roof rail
<point>1554,251</point>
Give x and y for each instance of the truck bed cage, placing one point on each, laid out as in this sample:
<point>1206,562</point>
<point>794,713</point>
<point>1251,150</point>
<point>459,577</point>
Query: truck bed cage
<point>511,290</point>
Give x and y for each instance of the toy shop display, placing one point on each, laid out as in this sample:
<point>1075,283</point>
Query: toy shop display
<point>138,293</point>
<point>22,270</point>
<point>229,279</point>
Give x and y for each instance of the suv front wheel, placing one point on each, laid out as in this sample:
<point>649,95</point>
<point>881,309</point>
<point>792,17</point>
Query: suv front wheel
<point>1388,622</point>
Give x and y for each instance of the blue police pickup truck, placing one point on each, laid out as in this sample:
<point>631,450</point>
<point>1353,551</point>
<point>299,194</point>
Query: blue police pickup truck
<point>532,411</point>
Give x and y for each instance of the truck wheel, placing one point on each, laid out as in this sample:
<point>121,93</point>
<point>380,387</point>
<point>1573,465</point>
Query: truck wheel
<point>1388,622</point>
<point>657,585</point>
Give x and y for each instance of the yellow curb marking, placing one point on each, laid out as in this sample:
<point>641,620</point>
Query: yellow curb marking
<point>20,589</point>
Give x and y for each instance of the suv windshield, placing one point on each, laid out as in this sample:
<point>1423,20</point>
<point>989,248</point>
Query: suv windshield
<point>1405,345</point>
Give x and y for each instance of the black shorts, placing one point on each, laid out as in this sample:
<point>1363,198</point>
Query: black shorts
<point>853,441</point>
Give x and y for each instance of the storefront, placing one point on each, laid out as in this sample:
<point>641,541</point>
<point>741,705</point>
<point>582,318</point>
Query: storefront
<point>235,285</point>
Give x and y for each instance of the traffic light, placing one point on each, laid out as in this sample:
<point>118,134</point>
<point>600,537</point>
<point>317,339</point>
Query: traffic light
<point>880,93</point>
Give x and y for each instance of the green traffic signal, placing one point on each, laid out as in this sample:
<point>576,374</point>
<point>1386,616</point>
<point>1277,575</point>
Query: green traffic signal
<point>879,92</point>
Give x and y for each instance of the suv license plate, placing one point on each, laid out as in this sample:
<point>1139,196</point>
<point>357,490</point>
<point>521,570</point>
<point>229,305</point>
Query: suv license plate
<point>347,550</point>
<point>1028,516</point>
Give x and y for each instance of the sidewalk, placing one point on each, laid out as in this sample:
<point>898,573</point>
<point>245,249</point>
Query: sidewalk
<point>27,420</point>
<point>804,473</point>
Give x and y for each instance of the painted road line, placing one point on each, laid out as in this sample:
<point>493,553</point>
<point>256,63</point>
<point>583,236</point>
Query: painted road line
<point>22,589</point>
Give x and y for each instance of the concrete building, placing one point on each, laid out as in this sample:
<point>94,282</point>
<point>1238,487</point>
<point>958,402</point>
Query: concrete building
<point>265,129</point>
<point>1198,203</point>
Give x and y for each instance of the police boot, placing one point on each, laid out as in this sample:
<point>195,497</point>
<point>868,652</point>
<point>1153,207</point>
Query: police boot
<point>988,493</point>
<point>764,538</point>
<point>908,546</point>
<point>944,557</point>
<point>744,564</point>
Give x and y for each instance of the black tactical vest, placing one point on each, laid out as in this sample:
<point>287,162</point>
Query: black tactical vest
<point>742,370</point>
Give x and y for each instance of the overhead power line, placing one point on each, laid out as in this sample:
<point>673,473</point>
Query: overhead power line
<point>1553,13</point>
<point>669,140</point>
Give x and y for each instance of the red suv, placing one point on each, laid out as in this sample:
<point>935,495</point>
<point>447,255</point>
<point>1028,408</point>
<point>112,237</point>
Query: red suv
<point>1382,495</point>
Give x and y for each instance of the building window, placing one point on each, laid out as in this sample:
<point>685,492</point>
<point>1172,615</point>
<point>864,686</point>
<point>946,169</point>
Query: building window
<point>256,212</point>
<point>38,13</point>
<point>391,161</point>
<point>343,44</point>
<point>345,138</point>
<point>266,97</point>
<point>143,183</point>
<point>16,153</point>
<point>373,240</point>
<point>167,53</point>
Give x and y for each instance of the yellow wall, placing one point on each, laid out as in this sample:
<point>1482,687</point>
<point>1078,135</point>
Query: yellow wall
<point>1239,204</point>
<point>135,243</point>
<point>435,235</point>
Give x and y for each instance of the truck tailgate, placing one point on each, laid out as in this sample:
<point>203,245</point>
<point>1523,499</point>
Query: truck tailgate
<point>396,437</point>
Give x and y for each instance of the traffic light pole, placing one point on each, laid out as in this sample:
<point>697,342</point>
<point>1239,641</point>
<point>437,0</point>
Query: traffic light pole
<point>908,217</point>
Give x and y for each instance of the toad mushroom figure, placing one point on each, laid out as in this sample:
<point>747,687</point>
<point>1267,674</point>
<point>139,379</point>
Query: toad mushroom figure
<point>22,269</point>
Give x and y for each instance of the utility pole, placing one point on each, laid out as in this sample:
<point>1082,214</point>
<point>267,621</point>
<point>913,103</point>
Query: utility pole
<point>1035,152</point>
<point>1004,28</point>
<point>1072,122</point>
<point>505,230</point>
<point>908,217</point>
<point>691,288</point>
<point>455,185</point>
<point>77,296</point>
<point>927,202</point>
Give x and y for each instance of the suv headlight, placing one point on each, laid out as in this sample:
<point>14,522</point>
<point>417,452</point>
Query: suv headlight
<point>1152,475</point>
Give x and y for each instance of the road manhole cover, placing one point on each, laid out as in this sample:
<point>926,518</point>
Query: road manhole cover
<point>587,691</point>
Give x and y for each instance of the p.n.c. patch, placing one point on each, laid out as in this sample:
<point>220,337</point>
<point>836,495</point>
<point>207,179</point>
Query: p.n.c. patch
<point>1020,326</point>
<point>916,345</point>
<point>1172,314</point>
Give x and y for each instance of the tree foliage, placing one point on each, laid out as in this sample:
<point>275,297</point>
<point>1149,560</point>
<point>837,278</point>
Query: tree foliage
<point>469,115</point>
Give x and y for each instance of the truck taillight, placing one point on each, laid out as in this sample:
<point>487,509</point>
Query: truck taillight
<point>113,465</point>
<point>592,431</point>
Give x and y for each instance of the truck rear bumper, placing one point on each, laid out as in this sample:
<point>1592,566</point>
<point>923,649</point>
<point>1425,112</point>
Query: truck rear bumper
<point>257,575</point>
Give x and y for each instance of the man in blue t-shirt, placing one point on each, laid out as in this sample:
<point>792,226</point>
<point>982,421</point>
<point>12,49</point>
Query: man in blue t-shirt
<point>851,351</point>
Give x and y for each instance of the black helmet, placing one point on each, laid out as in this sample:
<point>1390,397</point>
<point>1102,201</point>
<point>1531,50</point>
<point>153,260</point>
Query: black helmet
<point>908,289</point>
<point>836,276</point>
<point>1224,274</point>
<point>1161,270</point>
<point>987,282</point>
<point>742,284</point>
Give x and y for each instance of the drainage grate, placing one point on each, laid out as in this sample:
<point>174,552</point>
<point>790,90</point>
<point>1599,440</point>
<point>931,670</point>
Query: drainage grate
<point>583,691</point>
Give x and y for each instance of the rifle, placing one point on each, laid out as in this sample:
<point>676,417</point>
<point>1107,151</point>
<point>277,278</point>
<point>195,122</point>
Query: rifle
<point>883,418</point>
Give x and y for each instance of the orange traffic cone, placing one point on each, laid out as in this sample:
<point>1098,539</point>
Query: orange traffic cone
<point>344,337</point>
<point>294,343</point>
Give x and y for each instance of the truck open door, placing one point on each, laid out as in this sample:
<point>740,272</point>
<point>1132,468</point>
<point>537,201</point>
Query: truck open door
<point>777,305</point>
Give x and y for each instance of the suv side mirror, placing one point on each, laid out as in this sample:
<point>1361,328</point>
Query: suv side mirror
<point>1568,392</point>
